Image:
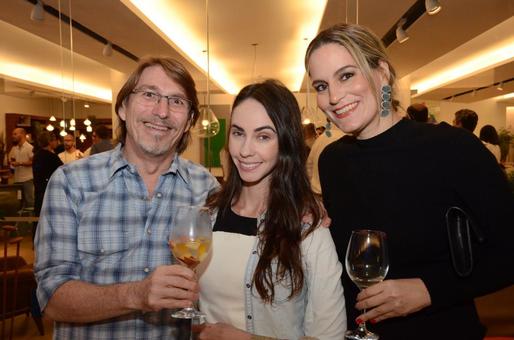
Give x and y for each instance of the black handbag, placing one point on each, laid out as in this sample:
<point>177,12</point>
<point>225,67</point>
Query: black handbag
<point>460,227</point>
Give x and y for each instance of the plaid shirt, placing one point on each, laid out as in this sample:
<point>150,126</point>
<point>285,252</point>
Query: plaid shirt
<point>98,225</point>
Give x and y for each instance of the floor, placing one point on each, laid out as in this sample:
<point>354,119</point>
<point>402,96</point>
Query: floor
<point>496,310</point>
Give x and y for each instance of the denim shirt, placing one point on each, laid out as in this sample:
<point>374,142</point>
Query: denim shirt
<point>317,311</point>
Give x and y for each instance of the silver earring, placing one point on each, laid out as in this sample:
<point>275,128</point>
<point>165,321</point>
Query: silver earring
<point>328,126</point>
<point>385,103</point>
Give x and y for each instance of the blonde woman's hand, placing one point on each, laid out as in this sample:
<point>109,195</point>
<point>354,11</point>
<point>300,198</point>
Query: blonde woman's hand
<point>392,298</point>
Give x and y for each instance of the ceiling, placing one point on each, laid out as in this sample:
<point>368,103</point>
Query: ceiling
<point>462,27</point>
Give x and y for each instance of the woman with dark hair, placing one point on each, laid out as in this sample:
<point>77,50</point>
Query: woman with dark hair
<point>489,137</point>
<point>392,174</point>
<point>269,274</point>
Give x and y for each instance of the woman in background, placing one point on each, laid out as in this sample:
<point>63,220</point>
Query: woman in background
<point>396,175</point>
<point>489,137</point>
<point>270,274</point>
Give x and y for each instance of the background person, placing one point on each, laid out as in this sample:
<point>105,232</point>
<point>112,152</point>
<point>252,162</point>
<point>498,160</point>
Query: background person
<point>269,274</point>
<point>370,179</point>
<point>489,136</point>
<point>466,119</point>
<point>43,166</point>
<point>102,141</point>
<point>418,112</point>
<point>20,158</point>
<point>70,153</point>
<point>103,264</point>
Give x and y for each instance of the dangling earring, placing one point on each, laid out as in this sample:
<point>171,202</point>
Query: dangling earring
<point>385,103</point>
<point>328,126</point>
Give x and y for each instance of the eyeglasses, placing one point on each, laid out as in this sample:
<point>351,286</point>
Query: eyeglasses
<point>175,104</point>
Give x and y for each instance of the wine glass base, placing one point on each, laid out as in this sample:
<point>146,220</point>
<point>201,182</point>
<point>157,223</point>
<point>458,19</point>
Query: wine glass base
<point>360,335</point>
<point>188,313</point>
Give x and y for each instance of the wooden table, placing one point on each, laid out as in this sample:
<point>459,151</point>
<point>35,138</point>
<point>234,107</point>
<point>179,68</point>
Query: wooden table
<point>20,219</point>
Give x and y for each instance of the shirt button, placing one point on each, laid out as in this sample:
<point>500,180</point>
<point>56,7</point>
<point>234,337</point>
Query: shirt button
<point>159,195</point>
<point>249,317</point>
<point>146,270</point>
<point>248,285</point>
<point>254,252</point>
<point>149,231</point>
<point>102,251</point>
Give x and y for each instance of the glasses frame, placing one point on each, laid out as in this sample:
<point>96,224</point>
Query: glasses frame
<point>161,96</point>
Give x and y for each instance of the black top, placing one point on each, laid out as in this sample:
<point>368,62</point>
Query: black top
<point>233,223</point>
<point>44,164</point>
<point>402,182</point>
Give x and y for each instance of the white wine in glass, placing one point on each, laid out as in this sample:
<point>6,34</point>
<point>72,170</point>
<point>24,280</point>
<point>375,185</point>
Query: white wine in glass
<point>367,263</point>
<point>190,241</point>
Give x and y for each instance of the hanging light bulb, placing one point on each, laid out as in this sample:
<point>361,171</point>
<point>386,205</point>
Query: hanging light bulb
<point>63,133</point>
<point>52,118</point>
<point>62,123</point>
<point>210,125</point>
<point>72,122</point>
<point>87,122</point>
<point>72,128</point>
<point>82,137</point>
<point>89,128</point>
<point>50,127</point>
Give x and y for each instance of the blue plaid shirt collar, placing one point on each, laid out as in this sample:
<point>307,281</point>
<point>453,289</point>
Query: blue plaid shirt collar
<point>118,161</point>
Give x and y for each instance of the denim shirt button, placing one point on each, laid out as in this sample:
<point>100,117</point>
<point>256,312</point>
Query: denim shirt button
<point>254,252</point>
<point>249,317</point>
<point>248,285</point>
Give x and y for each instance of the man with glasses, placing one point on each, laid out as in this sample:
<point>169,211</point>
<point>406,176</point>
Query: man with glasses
<point>103,264</point>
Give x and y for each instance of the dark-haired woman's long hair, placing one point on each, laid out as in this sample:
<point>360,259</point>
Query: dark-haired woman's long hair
<point>290,196</point>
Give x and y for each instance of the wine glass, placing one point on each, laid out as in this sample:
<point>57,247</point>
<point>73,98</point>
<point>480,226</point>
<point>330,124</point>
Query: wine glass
<point>190,242</point>
<point>367,262</point>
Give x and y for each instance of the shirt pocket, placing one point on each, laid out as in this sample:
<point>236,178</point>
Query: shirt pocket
<point>102,250</point>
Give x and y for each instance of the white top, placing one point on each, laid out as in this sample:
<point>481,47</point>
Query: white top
<point>22,153</point>
<point>221,285</point>
<point>312,161</point>
<point>226,294</point>
<point>68,157</point>
<point>495,149</point>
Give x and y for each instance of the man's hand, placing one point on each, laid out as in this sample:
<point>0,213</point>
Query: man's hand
<point>392,298</point>
<point>171,286</point>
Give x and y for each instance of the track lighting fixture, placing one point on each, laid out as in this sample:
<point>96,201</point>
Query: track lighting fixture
<point>107,51</point>
<point>38,12</point>
<point>401,35</point>
<point>432,7</point>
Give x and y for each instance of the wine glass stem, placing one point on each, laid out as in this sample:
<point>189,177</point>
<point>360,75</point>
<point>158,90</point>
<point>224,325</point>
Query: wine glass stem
<point>362,325</point>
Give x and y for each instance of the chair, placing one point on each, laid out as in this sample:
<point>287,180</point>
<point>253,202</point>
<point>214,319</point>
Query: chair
<point>18,285</point>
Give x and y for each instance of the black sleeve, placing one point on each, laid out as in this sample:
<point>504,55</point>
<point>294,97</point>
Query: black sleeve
<point>482,188</point>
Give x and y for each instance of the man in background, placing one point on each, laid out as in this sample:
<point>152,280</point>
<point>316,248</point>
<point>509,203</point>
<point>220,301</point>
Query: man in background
<point>20,158</point>
<point>418,112</point>
<point>466,119</point>
<point>102,141</point>
<point>70,153</point>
